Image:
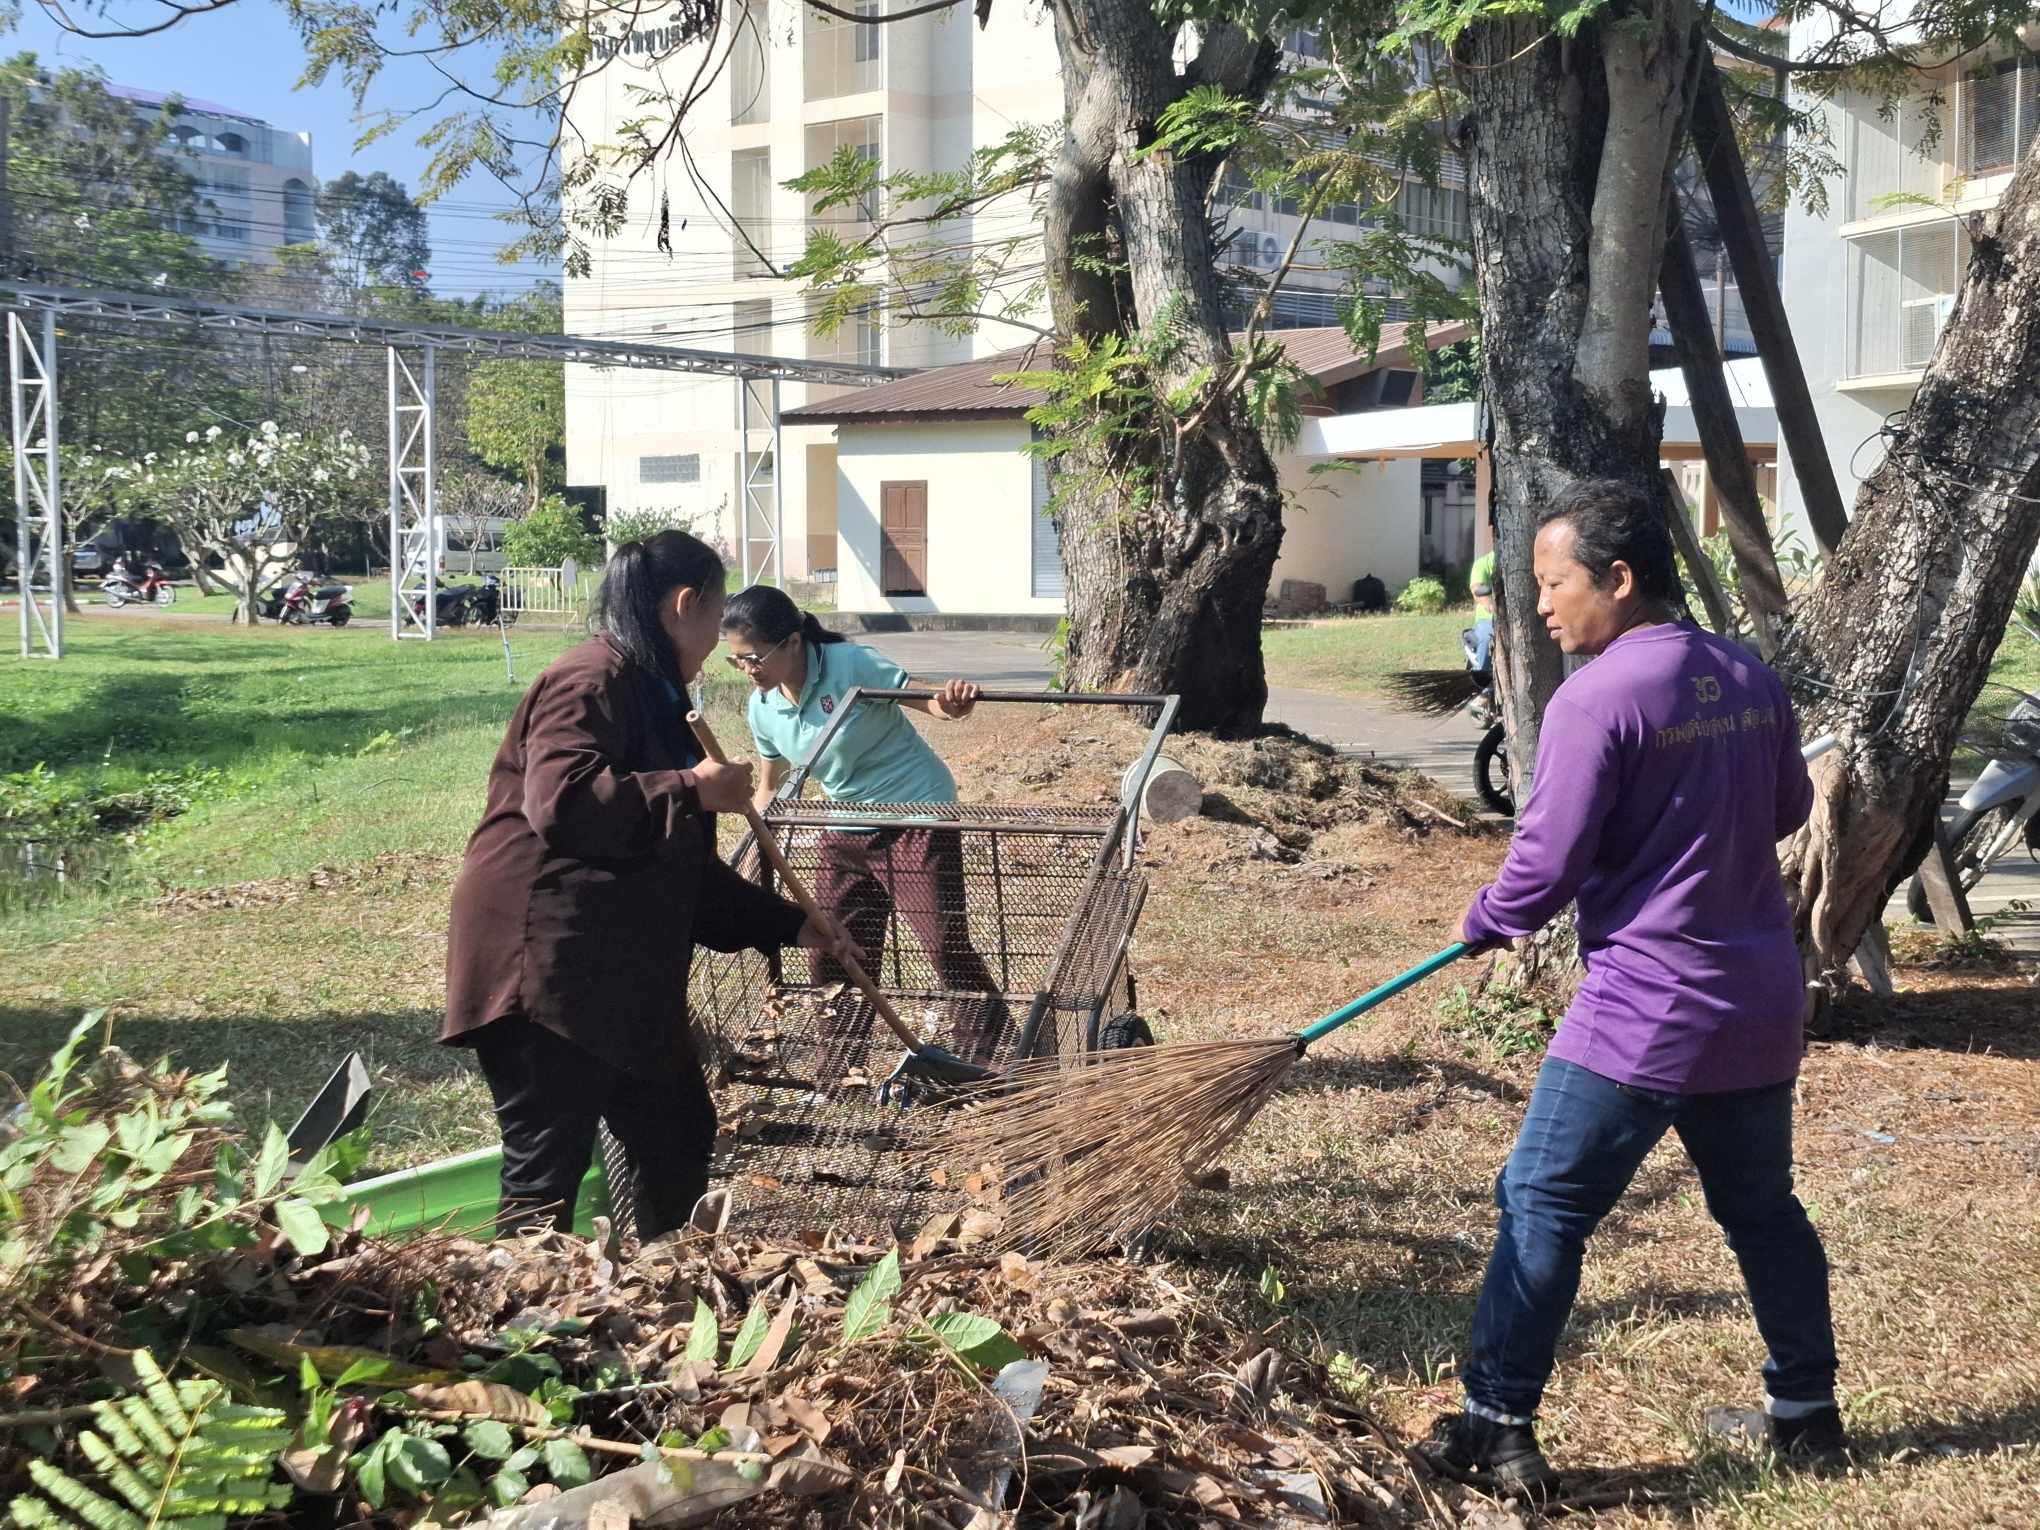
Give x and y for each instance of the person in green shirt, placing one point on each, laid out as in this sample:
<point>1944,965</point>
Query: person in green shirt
<point>1482,578</point>
<point>801,672</point>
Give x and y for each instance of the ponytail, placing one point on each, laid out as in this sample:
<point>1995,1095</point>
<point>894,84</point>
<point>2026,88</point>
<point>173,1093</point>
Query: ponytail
<point>765,615</point>
<point>639,580</point>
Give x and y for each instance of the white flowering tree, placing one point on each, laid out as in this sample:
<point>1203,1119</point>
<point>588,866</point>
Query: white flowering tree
<point>252,501</point>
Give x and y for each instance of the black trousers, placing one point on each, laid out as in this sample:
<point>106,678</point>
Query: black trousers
<point>549,1095</point>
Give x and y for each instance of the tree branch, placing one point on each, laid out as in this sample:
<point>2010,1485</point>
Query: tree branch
<point>181,12</point>
<point>878,21</point>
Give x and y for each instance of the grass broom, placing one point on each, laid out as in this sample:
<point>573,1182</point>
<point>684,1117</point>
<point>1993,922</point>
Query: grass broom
<point>1098,1153</point>
<point>1433,692</point>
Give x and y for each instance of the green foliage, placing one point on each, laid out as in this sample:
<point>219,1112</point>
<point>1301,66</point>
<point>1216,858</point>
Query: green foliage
<point>1205,119</point>
<point>1799,567</point>
<point>1452,372</point>
<point>1422,596</point>
<point>377,235</point>
<point>137,1164</point>
<point>550,535</point>
<point>869,1307</point>
<point>1504,1020</point>
<point>517,419</point>
<point>177,1456</point>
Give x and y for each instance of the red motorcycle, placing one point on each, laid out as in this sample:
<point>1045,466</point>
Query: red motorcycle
<point>301,600</point>
<point>120,587</point>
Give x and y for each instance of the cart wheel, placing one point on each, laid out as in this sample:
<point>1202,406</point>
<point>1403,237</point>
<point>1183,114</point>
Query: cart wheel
<point>1125,1031</point>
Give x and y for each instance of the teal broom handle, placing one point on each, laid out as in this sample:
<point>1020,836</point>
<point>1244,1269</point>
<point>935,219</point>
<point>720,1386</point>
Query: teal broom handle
<point>1385,992</point>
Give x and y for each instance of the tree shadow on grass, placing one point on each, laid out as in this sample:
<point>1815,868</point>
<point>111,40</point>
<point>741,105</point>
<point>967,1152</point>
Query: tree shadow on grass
<point>274,1066</point>
<point>137,719</point>
<point>1393,1074</point>
<point>1998,1020</point>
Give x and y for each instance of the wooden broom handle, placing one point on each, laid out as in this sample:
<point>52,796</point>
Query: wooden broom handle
<point>768,846</point>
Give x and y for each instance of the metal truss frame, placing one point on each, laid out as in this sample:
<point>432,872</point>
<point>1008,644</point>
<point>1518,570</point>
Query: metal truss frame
<point>38,484</point>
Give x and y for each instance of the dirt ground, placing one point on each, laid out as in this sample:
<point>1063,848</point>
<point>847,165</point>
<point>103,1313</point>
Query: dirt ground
<point>1358,1215</point>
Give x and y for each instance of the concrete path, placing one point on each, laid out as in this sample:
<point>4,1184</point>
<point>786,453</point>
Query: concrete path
<point>1441,748</point>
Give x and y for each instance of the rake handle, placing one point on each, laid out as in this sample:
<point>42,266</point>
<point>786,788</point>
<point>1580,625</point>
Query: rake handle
<point>1382,994</point>
<point>768,846</point>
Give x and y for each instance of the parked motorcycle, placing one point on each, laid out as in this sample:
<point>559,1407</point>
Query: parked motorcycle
<point>2001,811</point>
<point>298,601</point>
<point>153,588</point>
<point>1491,754</point>
<point>461,605</point>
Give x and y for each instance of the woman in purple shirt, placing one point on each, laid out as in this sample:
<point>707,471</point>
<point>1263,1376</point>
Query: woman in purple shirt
<point>1666,773</point>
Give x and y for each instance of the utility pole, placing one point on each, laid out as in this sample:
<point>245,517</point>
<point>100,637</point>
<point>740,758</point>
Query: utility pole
<point>6,198</point>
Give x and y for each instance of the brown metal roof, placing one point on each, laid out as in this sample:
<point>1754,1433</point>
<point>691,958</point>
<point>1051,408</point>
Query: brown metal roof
<point>967,392</point>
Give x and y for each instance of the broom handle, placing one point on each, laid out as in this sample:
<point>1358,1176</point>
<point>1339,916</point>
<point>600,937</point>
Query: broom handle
<point>1385,992</point>
<point>768,846</point>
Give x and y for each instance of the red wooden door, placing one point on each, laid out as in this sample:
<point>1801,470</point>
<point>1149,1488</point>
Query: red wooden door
<point>903,538</point>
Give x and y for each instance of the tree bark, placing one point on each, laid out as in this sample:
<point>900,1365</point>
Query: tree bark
<point>1169,539</point>
<point>1569,148</point>
<point>1897,641</point>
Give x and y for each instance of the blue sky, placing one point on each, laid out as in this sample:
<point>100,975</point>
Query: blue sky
<point>247,57</point>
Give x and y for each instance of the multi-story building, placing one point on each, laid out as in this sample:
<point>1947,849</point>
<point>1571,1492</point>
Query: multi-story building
<point>255,180</point>
<point>800,86</point>
<point>1870,281</point>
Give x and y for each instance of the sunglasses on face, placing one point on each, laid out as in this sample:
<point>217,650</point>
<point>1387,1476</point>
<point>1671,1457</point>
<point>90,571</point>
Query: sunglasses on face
<point>751,663</point>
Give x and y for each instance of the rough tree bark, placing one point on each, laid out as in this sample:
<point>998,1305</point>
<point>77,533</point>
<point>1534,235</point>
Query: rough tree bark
<point>1569,148</point>
<point>1897,642</point>
<point>1164,595</point>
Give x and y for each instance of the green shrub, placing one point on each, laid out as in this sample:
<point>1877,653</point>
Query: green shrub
<point>550,535</point>
<point>1422,596</point>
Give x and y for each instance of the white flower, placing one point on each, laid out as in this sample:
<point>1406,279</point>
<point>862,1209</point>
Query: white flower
<point>191,437</point>
<point>320,475</point>
<point>269,427</point>
<point>212,433</point>
<point>148,456</point>
<point>233,459</point>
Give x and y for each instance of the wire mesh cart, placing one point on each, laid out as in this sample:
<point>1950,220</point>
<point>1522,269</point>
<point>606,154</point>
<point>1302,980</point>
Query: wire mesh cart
<point>998,932</point>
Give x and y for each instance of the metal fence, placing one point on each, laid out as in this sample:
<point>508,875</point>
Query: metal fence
<point>543,592</point>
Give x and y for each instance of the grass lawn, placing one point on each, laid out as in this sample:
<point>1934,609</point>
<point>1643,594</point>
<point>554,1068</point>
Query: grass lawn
<point>300,910</point>
<point>1351,655</point>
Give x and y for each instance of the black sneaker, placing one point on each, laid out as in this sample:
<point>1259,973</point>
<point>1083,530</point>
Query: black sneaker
<point>1498,1458</point>
<point>1814,1439</point>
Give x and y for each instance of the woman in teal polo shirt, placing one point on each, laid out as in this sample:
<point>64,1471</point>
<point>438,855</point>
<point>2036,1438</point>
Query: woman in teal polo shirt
<point>801,672</point>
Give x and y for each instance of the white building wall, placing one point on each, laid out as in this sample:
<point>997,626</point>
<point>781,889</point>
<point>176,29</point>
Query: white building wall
<point>947,88</point>
<point>1341,526</point>
<point>980,515</point>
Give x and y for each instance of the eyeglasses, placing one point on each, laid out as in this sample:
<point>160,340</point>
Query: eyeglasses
<point>751,663</point>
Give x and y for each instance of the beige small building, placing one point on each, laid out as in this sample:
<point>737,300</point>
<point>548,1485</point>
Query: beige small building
<point>938,507</point>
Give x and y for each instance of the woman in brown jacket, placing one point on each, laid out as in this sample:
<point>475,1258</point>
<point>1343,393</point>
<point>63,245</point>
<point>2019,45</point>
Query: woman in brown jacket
<point>582,894</point>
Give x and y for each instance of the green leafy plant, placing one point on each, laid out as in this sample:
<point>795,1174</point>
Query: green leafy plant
<point>548,536</point>
<point>869,1307</point>
<point>179,1456</point>
<point>1422,596</point>
<point>1505,1020</point>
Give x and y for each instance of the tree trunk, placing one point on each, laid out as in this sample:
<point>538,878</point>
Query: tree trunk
<point>1168,539</point>
<point>1898,639</point>
<point>1569,147</point>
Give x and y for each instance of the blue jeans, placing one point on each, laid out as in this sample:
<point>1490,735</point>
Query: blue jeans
<point>1483,641</point>
<point>1582,1140</point>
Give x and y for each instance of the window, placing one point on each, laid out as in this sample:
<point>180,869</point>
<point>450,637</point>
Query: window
<point>684,469</point>
<point>1998,110</point>
<point>1901,289</point>
<point>1892,156</point>
<point>750,76</point>
<point>751,206</point>
<point>233,143</point>
<point>298,227</point>
<point>903,538</point>
<point>858,339</point>
<point>841,58</point>
<point>824,140</point>
<point>1045,565</point>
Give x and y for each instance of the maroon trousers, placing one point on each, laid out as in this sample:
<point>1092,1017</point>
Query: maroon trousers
<point>915,875</point>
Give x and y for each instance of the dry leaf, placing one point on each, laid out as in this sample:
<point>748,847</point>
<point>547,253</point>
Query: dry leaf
<point>608,1515</point>
<point>939,1178</point>
<point>736,1418</point>
<point>1127,1457</point>
<point>896,1471</point>
<point>937,1230</point>
<point>811,1418</point>
<point>483,1399</point>
<point>809,1473</point>
<point>1018,1271</point>
<point>775,1342</point>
